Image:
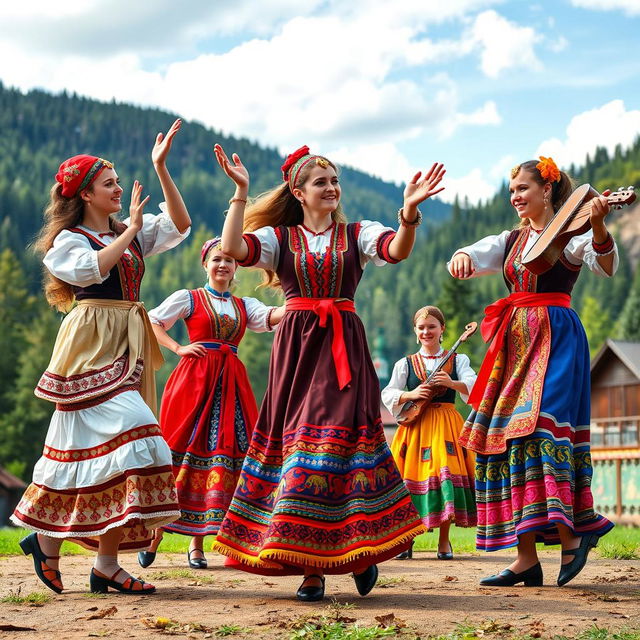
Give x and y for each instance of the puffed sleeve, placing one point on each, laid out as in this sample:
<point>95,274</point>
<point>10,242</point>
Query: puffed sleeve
<point>264,250</point>
<point>465,374</point>
<point>158,233</point>
<point>258,315</point>
<point>72,259</point>
<point>487,255</point>
<point>580,249</point>
<point>396,387</point>
<point>178,305</point>
<point>373,243</point>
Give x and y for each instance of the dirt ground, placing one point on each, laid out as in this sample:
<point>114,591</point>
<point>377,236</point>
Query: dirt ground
<point>421,597</point>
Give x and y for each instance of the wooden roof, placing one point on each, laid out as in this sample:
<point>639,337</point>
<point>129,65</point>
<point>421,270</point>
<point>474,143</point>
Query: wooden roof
<point>9,481</point>
<point>627,352</point>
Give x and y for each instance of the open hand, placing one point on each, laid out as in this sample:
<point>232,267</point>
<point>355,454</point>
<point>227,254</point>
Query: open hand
<point>236,171</point>
<point>162,146</point>
<point>136,208</point>
<point>418,190</point>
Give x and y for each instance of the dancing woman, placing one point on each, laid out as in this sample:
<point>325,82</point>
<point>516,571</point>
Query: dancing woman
<point>319,491</point>
<point>104,478</point>
<point>531,417</point>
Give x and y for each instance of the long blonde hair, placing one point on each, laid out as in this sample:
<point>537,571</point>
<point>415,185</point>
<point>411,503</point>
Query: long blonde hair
<point>62,213</point>
<point>280,207</point>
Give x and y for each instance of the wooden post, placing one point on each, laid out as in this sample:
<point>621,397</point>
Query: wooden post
<point>618,489</point>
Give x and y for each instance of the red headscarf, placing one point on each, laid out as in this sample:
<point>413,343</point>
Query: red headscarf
<point>77,173</point>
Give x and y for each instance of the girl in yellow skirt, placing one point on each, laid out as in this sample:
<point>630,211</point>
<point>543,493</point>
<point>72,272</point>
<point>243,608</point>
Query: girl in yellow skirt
<point>437,471</point>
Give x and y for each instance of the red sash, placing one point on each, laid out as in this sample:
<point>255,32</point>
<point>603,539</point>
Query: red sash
<point>325,309</point>
<point>495,324</point>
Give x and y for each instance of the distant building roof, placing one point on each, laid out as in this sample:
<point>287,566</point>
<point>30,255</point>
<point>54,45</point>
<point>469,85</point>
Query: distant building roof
<point>9,481</point>
<point>627,352</point>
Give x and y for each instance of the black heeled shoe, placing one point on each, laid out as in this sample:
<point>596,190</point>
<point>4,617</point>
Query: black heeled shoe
<point>570,570</point>
<point>445,555</point>
<point>100,584</point>
<point>31,546</point>
<point>366,580</point>
<point>311,593</point>
<point>406,555</point>
<point>532,577</point>
<point>146,558</point>
<point>197,563</point>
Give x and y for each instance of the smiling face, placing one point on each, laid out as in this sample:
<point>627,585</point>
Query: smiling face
<point>104,194</point>
<point>527,196</point>
<point>320,192</point>
<point>220,269</point>
<point>428,331</point>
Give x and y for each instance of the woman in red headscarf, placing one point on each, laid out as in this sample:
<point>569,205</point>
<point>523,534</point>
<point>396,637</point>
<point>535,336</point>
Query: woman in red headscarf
<point>319,491</point>
<point>104,478</point>
<point>208,409</point>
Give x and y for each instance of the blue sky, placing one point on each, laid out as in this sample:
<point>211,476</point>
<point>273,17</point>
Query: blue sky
<point>383,85</point>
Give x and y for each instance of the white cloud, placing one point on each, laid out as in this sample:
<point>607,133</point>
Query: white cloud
<point>383,160</point>
<point>503,44</point>
<point>474,186</point>
<point>630,7</point>
<point>606,126</point>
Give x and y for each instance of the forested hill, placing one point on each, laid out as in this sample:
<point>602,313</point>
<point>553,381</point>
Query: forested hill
<point>39,130</point>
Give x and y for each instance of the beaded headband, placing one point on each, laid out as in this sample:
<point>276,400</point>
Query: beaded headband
<point>212,243</point>
<point>296,161</point>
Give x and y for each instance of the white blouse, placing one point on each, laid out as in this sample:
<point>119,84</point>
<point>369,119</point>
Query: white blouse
<point>487,254</point>
<point>400,374</point>
<point>370,231</point>
<point>180,305</point>
<point>73,260</point>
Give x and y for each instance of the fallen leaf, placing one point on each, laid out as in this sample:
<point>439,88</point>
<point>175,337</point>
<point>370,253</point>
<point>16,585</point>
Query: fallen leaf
<point>103,613</point>
<point>13,627</point>
<point>450,579</point>
<point>390,620</point>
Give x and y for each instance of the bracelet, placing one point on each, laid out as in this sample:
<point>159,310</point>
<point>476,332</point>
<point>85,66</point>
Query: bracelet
<point>237,200</point>
<point>269,325</point>
<point>406,223</point>
<point>604,248</point>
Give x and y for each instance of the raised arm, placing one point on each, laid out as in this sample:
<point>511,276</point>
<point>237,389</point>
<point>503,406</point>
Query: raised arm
<point>109,255</point>
<point>232,241</point>
<point>175,204</point>
<point>417,191</point>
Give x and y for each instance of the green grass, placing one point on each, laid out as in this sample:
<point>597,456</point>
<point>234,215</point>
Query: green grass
<point>34,599</point>
<point>621,543</point>
<point>341,631</point>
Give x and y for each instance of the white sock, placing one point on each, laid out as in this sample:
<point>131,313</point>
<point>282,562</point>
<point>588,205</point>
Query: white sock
<point>107,566</point>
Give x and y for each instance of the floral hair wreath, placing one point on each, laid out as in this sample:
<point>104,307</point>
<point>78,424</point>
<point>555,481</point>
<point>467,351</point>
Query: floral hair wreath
<point>296,161</point>
<point>548,169</point>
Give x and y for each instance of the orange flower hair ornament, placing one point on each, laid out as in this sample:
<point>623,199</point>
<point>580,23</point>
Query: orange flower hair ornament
<point>548,169</point>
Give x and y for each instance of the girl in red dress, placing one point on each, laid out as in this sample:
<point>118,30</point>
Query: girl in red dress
<point>208,408</point>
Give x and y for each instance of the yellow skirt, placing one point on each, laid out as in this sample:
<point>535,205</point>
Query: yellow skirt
<point>437,471</point>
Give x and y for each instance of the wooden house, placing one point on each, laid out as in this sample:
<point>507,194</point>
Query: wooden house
<point>11,489</point>
<point>615,420</point>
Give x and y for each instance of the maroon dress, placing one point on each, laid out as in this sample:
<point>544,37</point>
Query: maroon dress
<point>319,486</point>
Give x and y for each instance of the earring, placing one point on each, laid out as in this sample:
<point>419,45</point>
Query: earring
<point>417,340</point>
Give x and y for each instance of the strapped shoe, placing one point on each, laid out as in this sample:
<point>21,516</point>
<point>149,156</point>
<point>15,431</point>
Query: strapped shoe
<point>196,563</point>
<point>570,570</point>
<point>100,584</point>
<point>50,577</point>
<point>146,558</point>
<point>366,580</point>
<point>532,577</point>
<point>445,555</point>
<point>310,593</point>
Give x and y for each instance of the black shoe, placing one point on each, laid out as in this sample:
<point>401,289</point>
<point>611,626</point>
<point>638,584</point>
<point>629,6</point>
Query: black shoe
<point>366,580</point>
<point>570,570</point>
<point>311,594</point>
<point>406,555</point>
<point>146,558</point>
<point>31,546</point>
<point>197,563</point>
<point>531,577</point>
<point>131,585</point>
<point>445,555</point>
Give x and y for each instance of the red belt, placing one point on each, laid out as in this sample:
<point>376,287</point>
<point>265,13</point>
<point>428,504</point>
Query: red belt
<point>494,325</point>
<point>325,309</point>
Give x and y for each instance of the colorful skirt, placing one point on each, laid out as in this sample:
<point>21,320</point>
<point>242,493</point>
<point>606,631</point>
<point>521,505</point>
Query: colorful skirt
<point>319,486</point>
<point>437,471</point>
<point>104,463</point>
<point>541,477</point>
<point>207,417</point>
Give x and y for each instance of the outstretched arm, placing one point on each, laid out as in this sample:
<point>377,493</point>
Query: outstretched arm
<point>417,191</point>
<point>175,204</point>
<point>232,241</point>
